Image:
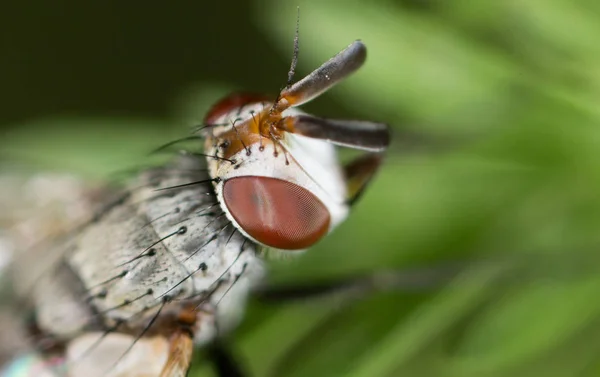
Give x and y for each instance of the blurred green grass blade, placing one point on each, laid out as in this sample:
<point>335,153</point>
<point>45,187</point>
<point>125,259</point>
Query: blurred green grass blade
<point>333,347</point>
<point>566,24</point>
<point>267,342</point>
<point>528,321</point>
<point>408,338</point>
<point>562,25</point>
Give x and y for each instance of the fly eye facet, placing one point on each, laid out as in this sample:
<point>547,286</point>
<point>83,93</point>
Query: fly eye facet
<point>275,212</point>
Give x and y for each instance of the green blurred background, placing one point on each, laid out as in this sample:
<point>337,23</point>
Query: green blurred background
<point>494,168</point>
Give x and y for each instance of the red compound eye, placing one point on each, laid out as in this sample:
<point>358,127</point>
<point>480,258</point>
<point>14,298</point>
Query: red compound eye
<point>232,102</point>
<point>275,212</point>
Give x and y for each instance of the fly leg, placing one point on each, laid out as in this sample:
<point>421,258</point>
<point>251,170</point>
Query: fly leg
<point>181,348</point>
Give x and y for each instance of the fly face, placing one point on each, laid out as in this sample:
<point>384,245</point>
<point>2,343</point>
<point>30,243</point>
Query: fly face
<point>171,263</point>
<point>276,171</point>
<point>272,190</point>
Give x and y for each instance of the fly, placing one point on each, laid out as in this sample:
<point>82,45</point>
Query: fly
<point>169,265</point>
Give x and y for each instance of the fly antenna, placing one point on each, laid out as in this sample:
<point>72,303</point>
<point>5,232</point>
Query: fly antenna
<point>292,70</point>
<point>277,106</point>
